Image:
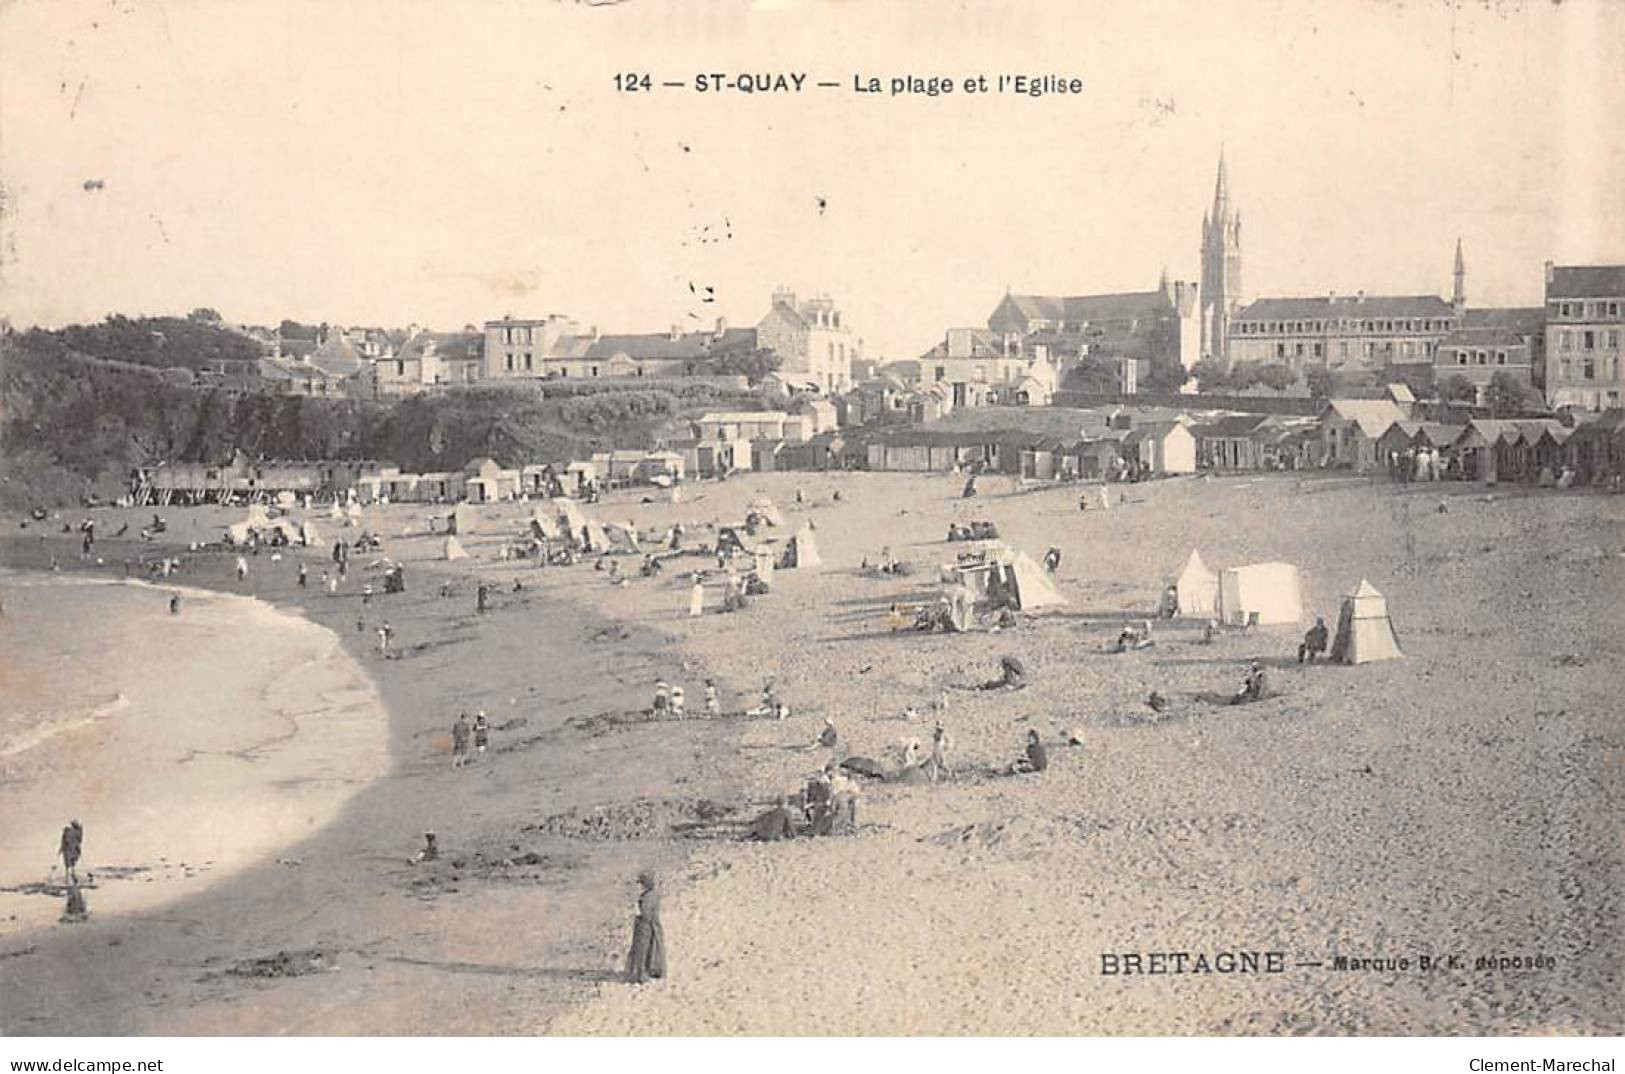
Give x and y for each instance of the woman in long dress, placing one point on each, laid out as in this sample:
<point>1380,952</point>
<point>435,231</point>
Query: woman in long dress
<point>647,959</point>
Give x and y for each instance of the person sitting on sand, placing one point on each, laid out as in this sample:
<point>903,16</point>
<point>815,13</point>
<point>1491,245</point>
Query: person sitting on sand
<point>827,737</point>
<point>678,704</point>
<point>911,753</point>
<point>1252,688</point>
<point>1210,630</point>
<point>1156,702</point>
<point>430,851</point>
<point>775,825</point>
<point>1052,560</point>
<point>1314,642</point>
<point>1169,608</point>
<point>1035,759</point>
<point>662,701</point>
<point>1012,674</point>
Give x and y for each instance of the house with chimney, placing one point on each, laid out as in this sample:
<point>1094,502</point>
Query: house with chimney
<point>555,346</point>
<point>813,339</point>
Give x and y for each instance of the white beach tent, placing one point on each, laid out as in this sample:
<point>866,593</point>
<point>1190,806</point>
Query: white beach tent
<point>1033,587</point>
<point>1364,632</point>
<point>768,510</point>
<point>574,520</point>
<point>1198,589</point>
<point>545,524</point>
<point>804,549</point>
<point>1268,589</point>
<point>309,534</point>
<point>464,518</point>
<point>454,548</point>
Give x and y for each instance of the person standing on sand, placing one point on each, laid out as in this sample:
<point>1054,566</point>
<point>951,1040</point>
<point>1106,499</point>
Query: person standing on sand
<point>713,706</point>
<point>937,767</point>
<point>482,597</point>
<point>459,741</point>
<point>696,597</point>
<point>647,959</point>
<point>482,732</point>
<point>302,575</point>
<point>72,845</point>
<point>242,568</point>
<point>174,604</point>
<point>386,634</point>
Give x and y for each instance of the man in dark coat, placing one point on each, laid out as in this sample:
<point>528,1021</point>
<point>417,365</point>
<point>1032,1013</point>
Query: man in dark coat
<point>72,845</point>
<point>1314,642</point>
<point>774,825</point>
<point>1036,759</point>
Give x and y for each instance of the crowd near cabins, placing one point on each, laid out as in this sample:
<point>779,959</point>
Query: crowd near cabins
<point>838,408</point>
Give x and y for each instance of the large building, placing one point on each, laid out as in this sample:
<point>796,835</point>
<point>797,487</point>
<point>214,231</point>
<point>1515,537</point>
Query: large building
<point>981,367</point>
<point>1584,307</point>
<point>813,339</point>
<point>1158,328</point>
<point>430,360</point>
<point>1348,333</point>
<point>1221,270</point>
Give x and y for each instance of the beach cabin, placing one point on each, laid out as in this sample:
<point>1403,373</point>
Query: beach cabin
<point>1350,429</point>
<point>1231,443</point>
<point>765,455</point>
<point>1162,447</point>
<point>438,487</point>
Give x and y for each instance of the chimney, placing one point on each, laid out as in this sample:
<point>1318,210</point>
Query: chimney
<point>1359,296</point>
<point>1331,296</point>
<point>1551,273</point>
<point>722,325</point>
<point>593,332</point>
<point>676,331</point>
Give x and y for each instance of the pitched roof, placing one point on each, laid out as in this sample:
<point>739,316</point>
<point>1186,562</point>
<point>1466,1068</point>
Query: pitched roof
<point>661,345</point>
<point>1437,432</point>
<point>1231,425</point>
<point>1373,416</point>
<point>1486,336</point>
<point>1127,305</point>
<point>337,356</point>
<point>1328,307</point>
<point>1586,281</point>
<point>1523,320</point>
<point>462,345</point>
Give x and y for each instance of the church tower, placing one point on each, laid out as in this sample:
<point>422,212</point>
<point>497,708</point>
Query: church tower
<point>1221,269</point>
<point>1458,297</point>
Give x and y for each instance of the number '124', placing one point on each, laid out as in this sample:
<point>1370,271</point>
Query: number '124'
<point>631,82</point>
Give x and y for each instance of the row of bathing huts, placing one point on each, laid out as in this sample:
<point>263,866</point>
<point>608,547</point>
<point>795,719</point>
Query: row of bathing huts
<point>1359,436</point>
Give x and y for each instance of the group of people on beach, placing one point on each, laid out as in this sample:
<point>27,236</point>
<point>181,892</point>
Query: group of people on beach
<point>462,732</point>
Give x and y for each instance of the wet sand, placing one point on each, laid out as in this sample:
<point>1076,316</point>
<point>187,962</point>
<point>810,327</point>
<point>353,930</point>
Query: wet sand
<point>1461,801</point>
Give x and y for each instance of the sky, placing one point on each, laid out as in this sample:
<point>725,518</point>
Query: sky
<point>440,164</point>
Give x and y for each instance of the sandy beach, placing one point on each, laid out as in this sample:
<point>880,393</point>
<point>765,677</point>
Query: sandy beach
<point>1462,801</point>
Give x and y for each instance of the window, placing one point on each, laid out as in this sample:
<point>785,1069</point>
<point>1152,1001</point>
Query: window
<point>942,373</point>
<point>1461,357</point>
<point>508,361</point>
<point>1589,340</point>
<point>1299,351</point>
<point>527,361</point>
<point>1565,340</point>
<point>400,369</point>
<point>1280,350</point>
<point>1318,349</point>
<point>1588,369</point>
<point>1405,349</point>
<point>1613,309</point>
<point>1613,341</point>
<point>1563,308</point>
<point>1483,359</point>
<point>1500,357</point>
<point>594,371</point>
<point>1343,349</point>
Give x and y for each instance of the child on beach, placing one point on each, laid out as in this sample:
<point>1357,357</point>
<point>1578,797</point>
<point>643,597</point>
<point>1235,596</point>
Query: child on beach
<point>302,573</point>
<point>386,634</point>
<point>662,702</point>
<point>677,702</point>
<point>713,706</point>
<point>482,732</point>
<point>242,568</point>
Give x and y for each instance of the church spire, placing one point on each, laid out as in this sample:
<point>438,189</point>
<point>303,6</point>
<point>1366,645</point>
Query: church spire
<point>1458,297</point>
<point>1221,189</point>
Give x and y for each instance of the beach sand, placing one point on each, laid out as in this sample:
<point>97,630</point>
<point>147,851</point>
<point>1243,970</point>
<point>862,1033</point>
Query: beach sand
<point>1462,801</point>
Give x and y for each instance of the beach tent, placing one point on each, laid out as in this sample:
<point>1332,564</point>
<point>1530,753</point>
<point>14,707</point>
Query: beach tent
<point>622,538</point>
<point>767,510</point>
<point>308,533</point>
<point>1268,589</point>
<point>803,551</point>
<point>545,524</point>
<point>1198,589</point>
<point>454,548</point>
<point>286,500</point>
<point>1027,580</point>
<point>463,519</point>
<point>335,513</point>
<point>574,520</point>
<point>1364,632</point>
<point>237,532</point>
<point>352,514</point>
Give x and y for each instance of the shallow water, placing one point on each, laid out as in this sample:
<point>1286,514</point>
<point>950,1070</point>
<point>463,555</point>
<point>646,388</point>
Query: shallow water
<point>188,745</point>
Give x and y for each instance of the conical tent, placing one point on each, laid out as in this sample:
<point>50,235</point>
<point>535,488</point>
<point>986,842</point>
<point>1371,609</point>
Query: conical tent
<point>454,548</point>
<point>1364,632</point>
<point>1198,589</point>
<point>307,531</point>
<point>463,519</point>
